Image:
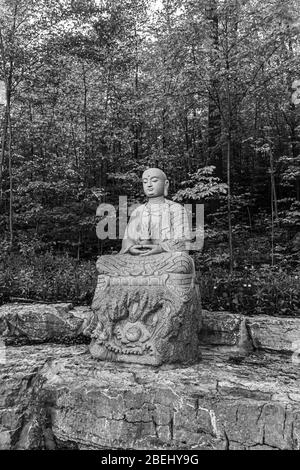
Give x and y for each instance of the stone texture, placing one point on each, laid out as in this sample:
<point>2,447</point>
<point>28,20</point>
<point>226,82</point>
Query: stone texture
<point>147,310</point>
<point>57,397</point>
<point>232,332</point>
<point>220,328</point>
<point>39,323</point>
<point>222,331</point>
<point>226,332</point>
<point>274,333</point>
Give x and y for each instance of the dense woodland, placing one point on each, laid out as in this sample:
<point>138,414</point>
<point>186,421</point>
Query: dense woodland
<point>96,91</point>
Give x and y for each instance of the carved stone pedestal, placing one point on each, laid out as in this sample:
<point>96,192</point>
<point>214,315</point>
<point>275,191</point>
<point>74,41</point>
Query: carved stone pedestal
<point>146,310</point>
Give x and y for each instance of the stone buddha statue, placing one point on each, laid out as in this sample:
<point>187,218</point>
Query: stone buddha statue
<point>158,226</point>
<point>146,307</point>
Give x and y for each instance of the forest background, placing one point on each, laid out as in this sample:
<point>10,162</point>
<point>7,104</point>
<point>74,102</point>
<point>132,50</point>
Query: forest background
<point>97,91</point>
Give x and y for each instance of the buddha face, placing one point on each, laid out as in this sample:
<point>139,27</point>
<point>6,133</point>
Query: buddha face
<point>155,183</point>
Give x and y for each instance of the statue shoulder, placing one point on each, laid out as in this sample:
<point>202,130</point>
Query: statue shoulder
<point>175,206</point>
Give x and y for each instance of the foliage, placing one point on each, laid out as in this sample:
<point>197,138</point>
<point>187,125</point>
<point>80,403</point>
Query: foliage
<point>98,91</point>
<point>201,185</point>
<point>290,170</point>
<point>253,291</point>
<point>47,277</point>
<point>290,215</point>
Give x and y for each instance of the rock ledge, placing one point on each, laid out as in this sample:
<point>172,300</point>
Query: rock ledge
<point>57,397</point>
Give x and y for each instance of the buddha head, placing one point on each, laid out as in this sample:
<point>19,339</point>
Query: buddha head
<point>155,183</point>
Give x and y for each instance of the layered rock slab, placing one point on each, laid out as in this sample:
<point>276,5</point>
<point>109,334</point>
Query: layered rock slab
<point>224,331</point>
<point>40,323</point>
<point>55,397</point>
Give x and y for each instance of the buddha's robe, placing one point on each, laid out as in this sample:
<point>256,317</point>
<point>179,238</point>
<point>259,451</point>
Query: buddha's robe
<point>165,224</point>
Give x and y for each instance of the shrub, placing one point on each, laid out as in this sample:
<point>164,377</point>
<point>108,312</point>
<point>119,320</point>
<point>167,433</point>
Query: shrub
<point>52,278</point>
<point>263,290</point>
<point>47,277</point>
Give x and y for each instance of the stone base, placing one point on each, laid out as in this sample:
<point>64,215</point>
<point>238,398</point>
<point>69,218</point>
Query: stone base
<point>146,310</point>
<point>57,397</point>
<point>165,332</point>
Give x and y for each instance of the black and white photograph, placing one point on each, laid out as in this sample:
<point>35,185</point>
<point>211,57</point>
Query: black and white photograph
<point>149,228</point>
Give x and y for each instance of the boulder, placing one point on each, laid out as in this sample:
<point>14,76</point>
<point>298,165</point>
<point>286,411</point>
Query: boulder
<point>277,334</point>
<point>41,323</point>
<point>232,332</point>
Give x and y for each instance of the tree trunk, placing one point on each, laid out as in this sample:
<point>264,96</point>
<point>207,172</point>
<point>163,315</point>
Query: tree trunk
<point>231,264</point>
<point>4,138</point>
<point>214,117</point>
<point>10,178</point>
